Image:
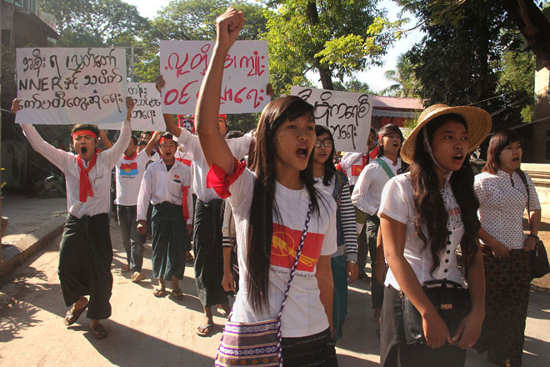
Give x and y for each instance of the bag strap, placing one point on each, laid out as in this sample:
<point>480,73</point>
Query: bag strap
<point>524,180</point>
<point>385,166</point>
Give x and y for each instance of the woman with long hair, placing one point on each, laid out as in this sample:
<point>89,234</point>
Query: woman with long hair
<point>505,192</point>
<point>344,260</point>
<point>433,305</point>
<point>276,208</point>
<point>366,198</point>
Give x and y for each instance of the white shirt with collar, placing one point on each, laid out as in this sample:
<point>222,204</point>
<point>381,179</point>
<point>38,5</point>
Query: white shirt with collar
<point>398,203</point>
<point>368,189</point>
<point>100,174</point>
<point>161,185</point>
<point>238,146</point>
<point>502,201</point>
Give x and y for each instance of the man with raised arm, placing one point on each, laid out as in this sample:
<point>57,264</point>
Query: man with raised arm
<point>86,251</point>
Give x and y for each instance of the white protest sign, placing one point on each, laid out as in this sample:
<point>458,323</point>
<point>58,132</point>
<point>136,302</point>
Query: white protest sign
<point>183,65</point>
<point>147,113</point>
<point>71,85</point>
<point>347,115</point>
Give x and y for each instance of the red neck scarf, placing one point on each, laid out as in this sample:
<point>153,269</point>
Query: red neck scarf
<point>85,185</point>
<point>130,158</point>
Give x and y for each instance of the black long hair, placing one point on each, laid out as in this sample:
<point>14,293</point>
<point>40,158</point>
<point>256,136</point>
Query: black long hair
<point>264,205</point>
<point>430,209</point>
<point>330,169</point>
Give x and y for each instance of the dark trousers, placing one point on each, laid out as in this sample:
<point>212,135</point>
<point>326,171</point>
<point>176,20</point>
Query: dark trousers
<point>394,352</point>
<point>507,299</point>
<point>207,246</point>
<point>85,258</point>
<point>309,351</point>
<point>131,239</point>
<point>377,289</point>
<point>170,241</point>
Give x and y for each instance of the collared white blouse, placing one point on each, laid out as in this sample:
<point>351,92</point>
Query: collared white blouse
<point>502,201</point>
<point>398,203</point>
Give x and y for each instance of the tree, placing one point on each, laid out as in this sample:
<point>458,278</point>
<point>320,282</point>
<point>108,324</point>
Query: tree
<point>459,59</point>
<point>191,20</point>
<point>534,26</point>
<point>405,82</point>
<point>332,38</point>
<point>94,23</point>
<point>517,81</point>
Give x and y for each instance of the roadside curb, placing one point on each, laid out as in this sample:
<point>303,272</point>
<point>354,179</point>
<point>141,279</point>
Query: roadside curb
<point>32,243</point>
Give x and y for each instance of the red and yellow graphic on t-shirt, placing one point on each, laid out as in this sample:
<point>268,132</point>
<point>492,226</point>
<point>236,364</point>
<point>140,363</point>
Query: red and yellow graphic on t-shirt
<point>285,244</point>
<point>356,170</point>
<point>129,169</point>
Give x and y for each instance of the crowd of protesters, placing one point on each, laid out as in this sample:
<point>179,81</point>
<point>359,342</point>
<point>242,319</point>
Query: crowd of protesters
<point>277,218</point>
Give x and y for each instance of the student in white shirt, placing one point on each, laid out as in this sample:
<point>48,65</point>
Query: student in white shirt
<point>427,216</point>
<point>366,198</point>
<point>207,232</point>
<point>166,185</point>
<point>270,207</point>
<point>86,251</point>
<point>344,260</point>
<point>352,164</point>
<point>128,173</point>
<point>505,193</point>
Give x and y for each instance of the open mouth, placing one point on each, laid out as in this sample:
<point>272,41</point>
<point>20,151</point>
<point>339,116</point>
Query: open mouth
<point>516,159</point>
<point>83,150</point>
<point>301,153</point>
<point>458,157</point>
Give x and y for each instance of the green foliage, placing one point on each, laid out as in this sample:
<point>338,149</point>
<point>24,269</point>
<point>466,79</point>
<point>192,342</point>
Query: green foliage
<point>517,80</point>
<point>458,61</point>
<point>94,23</point>
<point>405,82</point>
<point>191,20</point>
<point>333,38</point>
<point>353,85</point>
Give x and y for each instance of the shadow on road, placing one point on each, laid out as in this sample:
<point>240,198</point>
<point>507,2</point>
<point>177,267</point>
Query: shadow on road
<point>129,347</point>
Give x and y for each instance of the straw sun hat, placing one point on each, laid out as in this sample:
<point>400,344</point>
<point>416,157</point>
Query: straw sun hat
<point>477,119</point>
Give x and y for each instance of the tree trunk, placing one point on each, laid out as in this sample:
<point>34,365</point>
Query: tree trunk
<point>324,71</point>
<point>533,25</point>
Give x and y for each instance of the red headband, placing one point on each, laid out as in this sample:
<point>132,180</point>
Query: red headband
<point>85,132</point>
<point>163,139</point>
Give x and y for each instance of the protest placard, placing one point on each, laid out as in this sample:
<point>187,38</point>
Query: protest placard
<point>147,113</point>
<point>71,85</point>
<point>347,115</point>
<point>183,65</point>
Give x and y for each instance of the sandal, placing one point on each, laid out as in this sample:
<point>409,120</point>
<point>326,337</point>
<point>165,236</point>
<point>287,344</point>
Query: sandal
<point>177,293</point>
<point>159,292</point>
<point>205,330</point>
<point>73,314</point>
<point>99,331</point>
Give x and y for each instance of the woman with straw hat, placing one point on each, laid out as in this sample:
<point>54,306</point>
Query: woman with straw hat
<point>434,299</point>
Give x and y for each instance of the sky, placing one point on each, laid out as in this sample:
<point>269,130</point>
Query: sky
<point>374,76</point>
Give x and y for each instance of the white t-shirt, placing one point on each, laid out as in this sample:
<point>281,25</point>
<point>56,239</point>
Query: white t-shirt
<point>368,189</point>
<point>129,173</point>
<point>304,313</point>
<point>398,203</point>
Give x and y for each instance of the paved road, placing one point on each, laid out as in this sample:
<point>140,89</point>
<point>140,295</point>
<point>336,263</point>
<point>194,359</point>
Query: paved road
<point>148,331</point>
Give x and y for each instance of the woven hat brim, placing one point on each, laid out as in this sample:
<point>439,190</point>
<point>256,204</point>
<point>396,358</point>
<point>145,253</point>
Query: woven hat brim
<point>478,121</point>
